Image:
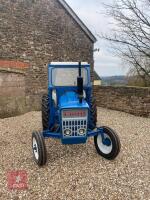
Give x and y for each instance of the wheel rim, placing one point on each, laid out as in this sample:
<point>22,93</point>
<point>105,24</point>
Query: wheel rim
<point>106,149</point>
<point>35,148</point>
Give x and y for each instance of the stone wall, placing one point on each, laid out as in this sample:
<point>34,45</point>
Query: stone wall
<point>12,92</point>
<point>12,84</point>
<point>38,32</point>
<point>133,100</point>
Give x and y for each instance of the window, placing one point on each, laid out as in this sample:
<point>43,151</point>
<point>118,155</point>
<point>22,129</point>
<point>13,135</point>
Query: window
<point>68,76</point>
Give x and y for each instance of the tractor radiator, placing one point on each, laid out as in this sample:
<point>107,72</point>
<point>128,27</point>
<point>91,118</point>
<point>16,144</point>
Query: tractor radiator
<point>73,126</point>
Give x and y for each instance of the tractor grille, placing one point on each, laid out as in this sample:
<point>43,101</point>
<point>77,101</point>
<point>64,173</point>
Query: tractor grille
<point>74,125</point>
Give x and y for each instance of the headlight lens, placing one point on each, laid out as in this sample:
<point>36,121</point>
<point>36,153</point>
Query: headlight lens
<point>81,131</point>
<point>67,132</point>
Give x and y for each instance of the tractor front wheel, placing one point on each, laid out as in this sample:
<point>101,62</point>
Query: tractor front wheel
<point>39,148</point>
<point>108,144</point>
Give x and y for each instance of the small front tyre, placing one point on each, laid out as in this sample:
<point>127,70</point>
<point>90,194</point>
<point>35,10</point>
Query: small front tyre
<point>108,145</point>
<point>39,148</point>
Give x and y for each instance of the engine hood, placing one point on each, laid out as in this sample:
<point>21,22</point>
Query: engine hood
<point>71,100</point>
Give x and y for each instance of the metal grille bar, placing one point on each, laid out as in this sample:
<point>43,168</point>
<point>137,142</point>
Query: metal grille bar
<point>74,124</point>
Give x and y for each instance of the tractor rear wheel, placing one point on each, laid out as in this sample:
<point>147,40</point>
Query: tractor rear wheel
<point>45,112</point>
<point>93,113</point>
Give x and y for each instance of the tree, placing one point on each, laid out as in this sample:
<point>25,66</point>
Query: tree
<point>131,37</point>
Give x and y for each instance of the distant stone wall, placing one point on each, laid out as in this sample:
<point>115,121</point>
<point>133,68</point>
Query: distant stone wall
<point>132,100</point>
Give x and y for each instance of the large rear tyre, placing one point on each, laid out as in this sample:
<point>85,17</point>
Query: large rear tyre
<point>109,146</point>
<point>45,112</point>
<point>39,148</point>
<point>93,113</point>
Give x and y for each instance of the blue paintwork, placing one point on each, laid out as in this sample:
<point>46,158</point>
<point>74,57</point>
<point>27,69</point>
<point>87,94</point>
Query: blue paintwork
<point>77,140</point>
<point>70,100</point>
<point>67,98</point>
<point>48,134</point>
<point>107,142</point>
<point>73,140</point>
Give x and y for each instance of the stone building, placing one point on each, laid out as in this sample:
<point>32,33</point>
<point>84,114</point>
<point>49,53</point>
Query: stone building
<point>34,33</point>
<point>96,78</point>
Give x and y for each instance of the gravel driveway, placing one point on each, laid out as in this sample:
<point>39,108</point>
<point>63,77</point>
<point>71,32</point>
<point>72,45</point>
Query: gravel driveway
<point>77,172</point>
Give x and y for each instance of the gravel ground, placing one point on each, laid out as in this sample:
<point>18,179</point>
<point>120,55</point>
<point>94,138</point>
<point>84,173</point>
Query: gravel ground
<point>77,172</point>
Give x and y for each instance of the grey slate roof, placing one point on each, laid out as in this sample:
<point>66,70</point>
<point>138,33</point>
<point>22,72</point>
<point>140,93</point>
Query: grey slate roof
<point>96,76</point>
<point>78,20</point>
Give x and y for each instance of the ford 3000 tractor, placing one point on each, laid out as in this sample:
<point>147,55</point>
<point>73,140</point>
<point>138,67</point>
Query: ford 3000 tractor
<point>69,112</point>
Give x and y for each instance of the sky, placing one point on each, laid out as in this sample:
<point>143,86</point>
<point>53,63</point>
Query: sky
<point>91,12</point>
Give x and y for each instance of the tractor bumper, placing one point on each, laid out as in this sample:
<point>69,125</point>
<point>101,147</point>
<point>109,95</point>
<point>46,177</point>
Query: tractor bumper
<point>75,140</point>
<point>72,140</point>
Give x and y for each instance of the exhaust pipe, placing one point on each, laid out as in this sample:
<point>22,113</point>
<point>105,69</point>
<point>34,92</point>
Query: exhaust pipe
<point>80,84</point>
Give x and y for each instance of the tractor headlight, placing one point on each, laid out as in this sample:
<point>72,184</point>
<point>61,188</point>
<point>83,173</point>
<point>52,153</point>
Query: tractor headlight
<point>81,131</point>
<point>67,132</point>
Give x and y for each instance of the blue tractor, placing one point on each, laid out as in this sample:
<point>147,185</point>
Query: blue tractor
<point>69,112</point>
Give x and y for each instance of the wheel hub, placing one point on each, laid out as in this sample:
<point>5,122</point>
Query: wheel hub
<point>35,149</point>
<point>106,141</point>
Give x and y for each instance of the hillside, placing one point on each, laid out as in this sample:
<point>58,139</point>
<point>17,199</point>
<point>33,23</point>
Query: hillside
<point>114,80</point>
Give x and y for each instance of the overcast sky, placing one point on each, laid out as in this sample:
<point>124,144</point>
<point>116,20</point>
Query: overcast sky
<point>90,12</point>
